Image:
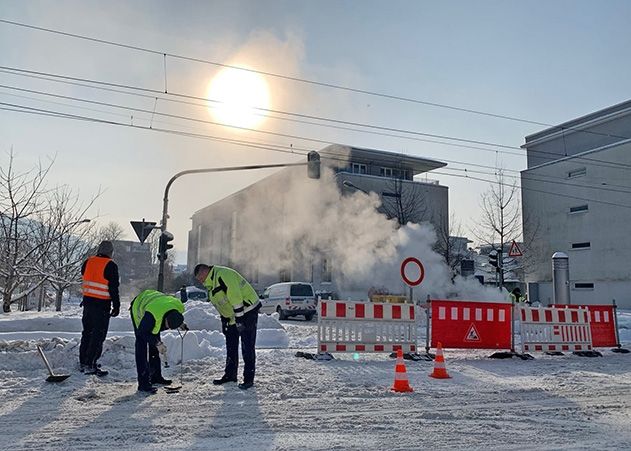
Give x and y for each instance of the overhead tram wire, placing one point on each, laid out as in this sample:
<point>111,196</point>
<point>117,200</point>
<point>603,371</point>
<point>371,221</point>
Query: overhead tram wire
<point>127,108</point>
<point>204,105</point>
<point>37,111</point>
<point>157,93</point>
<point>43,112</point>
<point>608,188</point>
<point>269,74</point>
<point>199,120</point>
<point>303,80</point>
<point>187,96</point>
<point>495,182</point>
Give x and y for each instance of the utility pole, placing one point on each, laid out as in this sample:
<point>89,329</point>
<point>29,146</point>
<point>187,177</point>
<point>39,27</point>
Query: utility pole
<point>313,172</point>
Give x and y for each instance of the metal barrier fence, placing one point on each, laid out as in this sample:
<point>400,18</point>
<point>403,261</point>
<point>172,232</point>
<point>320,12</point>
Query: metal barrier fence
<point>348,326</point>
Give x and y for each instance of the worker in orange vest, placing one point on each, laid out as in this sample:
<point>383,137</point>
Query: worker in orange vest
<point>100,302</point>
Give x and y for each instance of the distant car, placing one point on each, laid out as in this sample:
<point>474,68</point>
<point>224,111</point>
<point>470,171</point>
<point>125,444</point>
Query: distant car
<point>289,299</point>
<point>193,294</point>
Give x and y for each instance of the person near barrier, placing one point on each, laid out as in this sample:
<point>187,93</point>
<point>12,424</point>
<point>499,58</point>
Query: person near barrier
<point>100,302</point>
<point>515,296</point>
<point>238,305</point>
<point>152,312</point>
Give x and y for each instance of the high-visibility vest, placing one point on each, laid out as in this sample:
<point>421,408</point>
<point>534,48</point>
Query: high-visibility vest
<point>95,285</point>
<point>234,297</point>
<point>155,303</point>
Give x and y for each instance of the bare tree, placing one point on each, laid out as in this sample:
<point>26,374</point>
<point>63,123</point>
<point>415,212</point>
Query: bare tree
<point>73,238</point>
<point>111,231</point>
<point>501,218</point>
<point>404,201</point>
<point>448,243</point>
<point>22,198</point>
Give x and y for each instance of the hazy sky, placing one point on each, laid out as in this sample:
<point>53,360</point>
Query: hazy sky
<point>543,61</point>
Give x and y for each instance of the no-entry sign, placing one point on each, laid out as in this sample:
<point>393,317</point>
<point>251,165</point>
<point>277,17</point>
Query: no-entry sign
<point>421,270</point>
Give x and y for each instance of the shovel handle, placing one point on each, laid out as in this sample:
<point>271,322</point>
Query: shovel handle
<point>41,353</point>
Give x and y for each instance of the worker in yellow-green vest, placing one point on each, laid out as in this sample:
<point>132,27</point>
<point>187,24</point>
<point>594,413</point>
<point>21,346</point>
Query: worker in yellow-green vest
<point>239,305</point>
<point>515,296</point>
<point>152,312</point>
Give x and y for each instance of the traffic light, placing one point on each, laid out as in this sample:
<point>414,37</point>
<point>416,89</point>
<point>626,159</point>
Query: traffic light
<point>313,165</point>
<point>493,259</point>
<point>164,245</point>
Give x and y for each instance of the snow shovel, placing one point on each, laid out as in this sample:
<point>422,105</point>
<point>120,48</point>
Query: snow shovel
<point>52,376</point>
<point>177,388</point>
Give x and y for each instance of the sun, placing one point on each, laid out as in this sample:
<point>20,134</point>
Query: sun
<point>238,98</point>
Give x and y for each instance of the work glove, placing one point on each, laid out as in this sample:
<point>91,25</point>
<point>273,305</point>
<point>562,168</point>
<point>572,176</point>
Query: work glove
<point>115,311</point>
<point>162,349</point>
<point>240,327</point>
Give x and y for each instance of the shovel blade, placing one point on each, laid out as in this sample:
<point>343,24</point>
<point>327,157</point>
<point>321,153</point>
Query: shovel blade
<point>57,377</point>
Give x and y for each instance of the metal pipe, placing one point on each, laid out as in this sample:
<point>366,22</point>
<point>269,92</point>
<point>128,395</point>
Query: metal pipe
<point>561,278</point>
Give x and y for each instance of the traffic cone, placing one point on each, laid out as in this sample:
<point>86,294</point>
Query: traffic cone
<point>440,371</point>
<point>401,383</point>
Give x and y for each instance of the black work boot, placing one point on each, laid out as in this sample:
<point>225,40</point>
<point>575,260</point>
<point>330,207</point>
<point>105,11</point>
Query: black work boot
<point>224,379</point>
<point>161,381</point>
<point>246,385</point>
<point>96,370</point>
<point>148,390</point>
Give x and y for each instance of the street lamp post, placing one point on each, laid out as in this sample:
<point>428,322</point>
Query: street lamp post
<point>313,162</point>
<point>350,185</point>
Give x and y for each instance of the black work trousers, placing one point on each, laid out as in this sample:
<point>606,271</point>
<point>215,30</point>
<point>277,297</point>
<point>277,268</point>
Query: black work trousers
<point>147,359</point>
<point>96,320</point>
<point>248,345</point>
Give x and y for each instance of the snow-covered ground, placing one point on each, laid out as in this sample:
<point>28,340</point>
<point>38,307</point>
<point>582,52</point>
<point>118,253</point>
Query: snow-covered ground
<point>564,402</point>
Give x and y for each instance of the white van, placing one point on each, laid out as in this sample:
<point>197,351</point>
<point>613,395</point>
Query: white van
<point>289,299</point>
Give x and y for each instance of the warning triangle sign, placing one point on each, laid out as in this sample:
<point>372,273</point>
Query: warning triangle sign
<point>472,334</point>
<point>142,229</point>
<point>515,250</point>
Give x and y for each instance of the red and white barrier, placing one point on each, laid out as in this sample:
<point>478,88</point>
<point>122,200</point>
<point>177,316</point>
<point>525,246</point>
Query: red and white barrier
<point>555,329</point>
<point>347,326</point>
<point>472,325</point>
<point>602,324</point>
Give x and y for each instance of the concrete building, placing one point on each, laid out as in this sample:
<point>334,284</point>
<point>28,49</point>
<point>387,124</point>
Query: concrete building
<point>223,233</point>
<point>576,196</point>
<point>133,260</point>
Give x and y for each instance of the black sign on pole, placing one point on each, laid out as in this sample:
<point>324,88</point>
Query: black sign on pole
<point>142,229</point>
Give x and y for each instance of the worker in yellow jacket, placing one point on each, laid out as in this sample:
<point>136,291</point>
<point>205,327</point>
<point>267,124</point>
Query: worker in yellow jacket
<point>238,305</point>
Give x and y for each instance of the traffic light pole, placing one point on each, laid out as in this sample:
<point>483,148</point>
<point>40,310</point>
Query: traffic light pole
<point>165,202</point>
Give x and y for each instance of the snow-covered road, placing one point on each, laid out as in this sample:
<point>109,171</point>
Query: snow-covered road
<point>564,402</point>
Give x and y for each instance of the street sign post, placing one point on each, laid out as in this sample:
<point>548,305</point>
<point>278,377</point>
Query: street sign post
<point>412,282</point>
<point>515,250</point>
<point>142,229</point>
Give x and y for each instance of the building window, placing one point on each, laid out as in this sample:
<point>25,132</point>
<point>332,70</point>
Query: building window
<point>358,168</point>
<point>583,245</point>
<point>577,173</point>
<point>326,270</point>
<point>584,286</point>
<point>393,173</point>
<point>579,208</point>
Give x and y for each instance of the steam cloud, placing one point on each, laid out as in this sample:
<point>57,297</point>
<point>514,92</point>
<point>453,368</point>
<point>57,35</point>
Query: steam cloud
<point>287,219</point>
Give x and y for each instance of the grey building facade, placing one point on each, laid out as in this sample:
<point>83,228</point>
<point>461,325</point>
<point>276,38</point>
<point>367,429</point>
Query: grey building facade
<point>576,197</point>
<point>286,227</point>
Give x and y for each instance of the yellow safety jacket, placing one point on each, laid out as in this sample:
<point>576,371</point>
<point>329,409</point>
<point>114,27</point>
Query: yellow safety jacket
<point>230,293</point>
<point>155,303</point>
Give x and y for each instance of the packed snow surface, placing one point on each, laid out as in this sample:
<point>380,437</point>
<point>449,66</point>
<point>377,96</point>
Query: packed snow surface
<point>566,402</point>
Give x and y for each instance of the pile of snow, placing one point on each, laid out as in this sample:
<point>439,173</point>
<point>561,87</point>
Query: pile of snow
<point>59,333</point>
